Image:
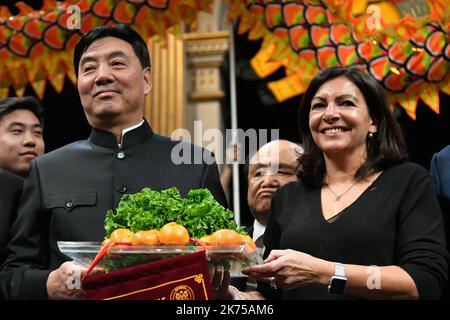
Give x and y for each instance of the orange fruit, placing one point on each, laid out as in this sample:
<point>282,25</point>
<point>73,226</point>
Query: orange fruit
<point>173,233</point>
<point>146,238</point>
<point>121,236</point>
<point>226,237</point>
<point>246,238</point>
<point>207,240</point>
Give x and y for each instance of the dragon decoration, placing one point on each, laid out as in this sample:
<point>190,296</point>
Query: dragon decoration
<point>410,58</point>
<point>37,45</point>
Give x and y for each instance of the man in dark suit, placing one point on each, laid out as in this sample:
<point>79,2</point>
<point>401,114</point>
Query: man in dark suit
<point>10,191</point>
<point>70,189</point>
<point>440,173</point>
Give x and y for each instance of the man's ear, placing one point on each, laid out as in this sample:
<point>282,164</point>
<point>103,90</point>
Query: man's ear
<point>147,80</point>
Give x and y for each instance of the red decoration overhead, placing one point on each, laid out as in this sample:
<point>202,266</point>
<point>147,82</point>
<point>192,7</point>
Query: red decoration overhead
<point>410,58</point>
<point>37,45</point>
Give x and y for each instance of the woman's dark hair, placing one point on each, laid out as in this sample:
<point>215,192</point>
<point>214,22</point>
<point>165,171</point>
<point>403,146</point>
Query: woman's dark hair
<point>121,31</point>
<point>385,148</point>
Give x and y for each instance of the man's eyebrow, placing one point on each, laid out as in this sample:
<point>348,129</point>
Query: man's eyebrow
<point>21,124</point>
<point>16,124</point>
<point>113,54</point>
<point>117,53</point>
<point>256,166</point>
<point>86,59</point>
<point>285,165</point>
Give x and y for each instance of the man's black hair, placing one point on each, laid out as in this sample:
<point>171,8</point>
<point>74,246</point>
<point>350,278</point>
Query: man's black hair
<point>30,103</point>
<point>121,31</point>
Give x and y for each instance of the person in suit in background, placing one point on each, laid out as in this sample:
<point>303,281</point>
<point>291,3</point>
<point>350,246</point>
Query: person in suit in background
<point>272,166</point>
<point>69,190</point>
<point>440,173</point>
<point>10,191</point>
<point>21,139</point>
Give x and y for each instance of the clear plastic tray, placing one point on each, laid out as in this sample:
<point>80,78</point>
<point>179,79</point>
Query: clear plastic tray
<point>233,258</point>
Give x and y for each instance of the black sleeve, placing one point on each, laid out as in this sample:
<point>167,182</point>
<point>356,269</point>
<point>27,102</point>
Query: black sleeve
<point>10,191</point>
<point>420,246</point>
<point>211,181</point>
<point>271,241</point>
<point>24,274</point>
<point>434,173</point>
<point>445,207</point>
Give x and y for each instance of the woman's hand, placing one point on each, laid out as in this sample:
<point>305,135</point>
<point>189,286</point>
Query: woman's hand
<point>291,269</point>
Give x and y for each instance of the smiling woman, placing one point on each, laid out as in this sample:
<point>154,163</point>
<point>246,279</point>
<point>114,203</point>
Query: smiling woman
<point>357,205</point>
<point>339,118</point>
<point>349,101</point>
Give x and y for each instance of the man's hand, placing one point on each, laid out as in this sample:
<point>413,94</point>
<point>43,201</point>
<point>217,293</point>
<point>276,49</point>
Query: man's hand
<point>65,282</point>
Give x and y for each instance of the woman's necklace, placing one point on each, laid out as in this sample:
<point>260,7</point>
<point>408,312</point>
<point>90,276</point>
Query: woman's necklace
<point>339,196</point>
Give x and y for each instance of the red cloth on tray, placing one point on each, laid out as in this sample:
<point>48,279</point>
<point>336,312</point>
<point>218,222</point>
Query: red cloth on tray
<point>184,277</point>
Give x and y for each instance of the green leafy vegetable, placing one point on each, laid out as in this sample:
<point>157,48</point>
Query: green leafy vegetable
<point>149,209</point>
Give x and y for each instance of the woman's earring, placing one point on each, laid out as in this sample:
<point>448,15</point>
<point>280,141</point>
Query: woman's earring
<point>370,135</point>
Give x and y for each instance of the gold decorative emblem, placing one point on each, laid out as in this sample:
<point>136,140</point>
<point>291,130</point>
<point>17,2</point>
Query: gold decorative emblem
<point>198,278</point>
<point>182,292</point>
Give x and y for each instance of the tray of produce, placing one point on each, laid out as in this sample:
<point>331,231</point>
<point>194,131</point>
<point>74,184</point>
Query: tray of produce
<point>233,257</point>
<point>153,225</point>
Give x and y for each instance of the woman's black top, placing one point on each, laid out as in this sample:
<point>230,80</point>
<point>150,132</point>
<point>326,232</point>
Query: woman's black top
<point>395,221</point>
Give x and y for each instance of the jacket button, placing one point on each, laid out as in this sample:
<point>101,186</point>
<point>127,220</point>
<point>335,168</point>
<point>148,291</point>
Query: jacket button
<point>69,204</point>
<point>120,155</point>
<point>121,189</point>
